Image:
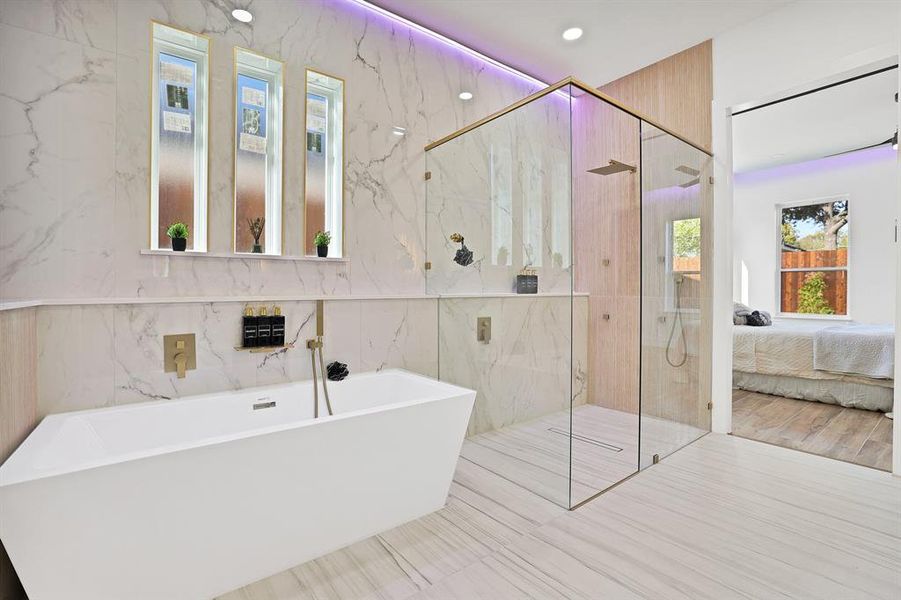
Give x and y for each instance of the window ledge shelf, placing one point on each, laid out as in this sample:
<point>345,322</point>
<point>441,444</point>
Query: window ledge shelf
<point>241,256</point>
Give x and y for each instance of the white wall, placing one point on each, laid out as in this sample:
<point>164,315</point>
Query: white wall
<point>799,44</point>
<point>868,178</point>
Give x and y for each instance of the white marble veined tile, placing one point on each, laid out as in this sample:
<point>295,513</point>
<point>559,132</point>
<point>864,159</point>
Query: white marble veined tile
<point>96,178</point>
<point>400,333</point>
<point>384,208</point>
<point>525,371</point>
<point>57,186</point>
<point>87,22</point>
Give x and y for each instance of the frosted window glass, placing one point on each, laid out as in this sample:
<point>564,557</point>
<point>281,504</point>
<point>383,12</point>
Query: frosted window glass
<point>324,156</point>
<point>179,139</point>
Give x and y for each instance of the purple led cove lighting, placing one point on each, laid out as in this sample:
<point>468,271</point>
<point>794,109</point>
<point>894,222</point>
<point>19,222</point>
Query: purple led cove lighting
<point>818,165</point>
<point>449,42</point>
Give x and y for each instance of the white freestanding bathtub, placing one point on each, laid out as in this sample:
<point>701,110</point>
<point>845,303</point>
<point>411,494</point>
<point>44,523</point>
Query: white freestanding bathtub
<point>192,498</point>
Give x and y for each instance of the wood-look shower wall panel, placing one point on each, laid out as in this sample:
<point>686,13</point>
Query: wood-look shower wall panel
<point>607,238</point>
<point>676,92</point>
<point>18,405</point>
<point>676,186</point>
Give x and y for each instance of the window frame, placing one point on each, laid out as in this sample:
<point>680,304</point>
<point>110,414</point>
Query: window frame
<point>275,149</point>
<point>336,175</point>
<point>202,133</point>
<point>779,270</point>
<point>669,266</point>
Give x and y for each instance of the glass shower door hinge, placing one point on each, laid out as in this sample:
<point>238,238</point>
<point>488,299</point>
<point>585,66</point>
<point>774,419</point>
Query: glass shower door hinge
<point>709,405</point>
<point>711,180</point>
<point>428,265</point>
<point>428,175</point>
<point>656,459</point>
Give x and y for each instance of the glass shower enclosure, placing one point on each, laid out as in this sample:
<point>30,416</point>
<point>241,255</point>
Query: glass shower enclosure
<point>567,241</point>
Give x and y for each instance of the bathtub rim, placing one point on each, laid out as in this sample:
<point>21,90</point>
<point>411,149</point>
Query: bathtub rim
<point>27,474</point>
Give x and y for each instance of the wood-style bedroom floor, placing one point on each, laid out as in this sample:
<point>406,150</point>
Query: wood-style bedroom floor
<point>859,436</point>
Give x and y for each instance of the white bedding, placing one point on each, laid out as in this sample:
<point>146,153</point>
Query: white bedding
<point>856,349</point>
<point>786,348</point>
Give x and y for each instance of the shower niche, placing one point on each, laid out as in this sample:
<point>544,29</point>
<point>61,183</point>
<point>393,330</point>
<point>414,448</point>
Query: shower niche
<point>605,370</point>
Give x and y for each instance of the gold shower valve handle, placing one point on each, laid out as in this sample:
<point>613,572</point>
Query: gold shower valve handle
<point>179,354</point>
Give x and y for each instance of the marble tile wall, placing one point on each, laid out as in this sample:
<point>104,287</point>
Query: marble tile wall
<point>74,207</point>
<point>91,356</point>
<point>105,355</point>
<point>534,365</point>
<point>73,198</point>
<point>74,189</point>
<point>505,187</point>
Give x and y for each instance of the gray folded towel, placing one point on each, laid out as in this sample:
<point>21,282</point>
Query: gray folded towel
<point>743,315</point>
<point>740,313</point>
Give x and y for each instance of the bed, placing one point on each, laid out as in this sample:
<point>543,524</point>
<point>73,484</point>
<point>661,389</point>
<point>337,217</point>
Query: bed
<point>781,360</point>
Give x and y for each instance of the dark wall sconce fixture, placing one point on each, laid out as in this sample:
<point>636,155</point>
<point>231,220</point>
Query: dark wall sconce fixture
<point>463,257</point>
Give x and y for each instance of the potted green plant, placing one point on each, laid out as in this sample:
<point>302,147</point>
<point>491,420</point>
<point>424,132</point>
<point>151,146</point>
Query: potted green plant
<point>178,233</point>
<point>256,230</point>
<point>321,241</point>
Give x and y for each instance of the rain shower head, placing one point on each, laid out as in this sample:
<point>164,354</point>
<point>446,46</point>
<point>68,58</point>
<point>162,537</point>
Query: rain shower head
<point>614,167</point>
<point>689,171</point>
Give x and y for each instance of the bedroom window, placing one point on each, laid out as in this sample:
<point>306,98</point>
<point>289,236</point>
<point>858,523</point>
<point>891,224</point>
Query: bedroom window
<point>684,263</point>
<point>813,274</point>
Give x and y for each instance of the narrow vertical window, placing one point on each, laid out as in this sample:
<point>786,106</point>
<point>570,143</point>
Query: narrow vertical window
<point>179,139</point>
<point>258,153</point>
<point>324,162</point>
<point>500,174</point>
<point>532,224</point>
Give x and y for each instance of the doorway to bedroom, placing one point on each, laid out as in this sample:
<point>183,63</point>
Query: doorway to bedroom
<point>814,234</point>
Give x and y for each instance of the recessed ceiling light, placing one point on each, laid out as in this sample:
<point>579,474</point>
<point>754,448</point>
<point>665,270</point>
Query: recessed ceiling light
<point>398,130</point>
<point>242,15</point>
<point>465,96</point>
<point>573,33</point>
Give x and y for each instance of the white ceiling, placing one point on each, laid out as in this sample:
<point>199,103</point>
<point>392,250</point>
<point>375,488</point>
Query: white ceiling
<point>838,119</point>
<point>621,36</point>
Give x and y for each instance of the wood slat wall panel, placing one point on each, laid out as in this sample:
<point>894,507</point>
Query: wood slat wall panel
<point>607,228</point>
<point>677,92</point>
<point>18,405</point>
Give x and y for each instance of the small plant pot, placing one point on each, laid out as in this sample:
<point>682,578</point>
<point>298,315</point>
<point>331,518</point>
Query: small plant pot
<point>322,251</point>
<point>179,244</point>
<point>257,249</point>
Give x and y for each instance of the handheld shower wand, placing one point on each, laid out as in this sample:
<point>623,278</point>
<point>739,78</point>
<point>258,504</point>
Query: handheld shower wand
<point>679,278</point>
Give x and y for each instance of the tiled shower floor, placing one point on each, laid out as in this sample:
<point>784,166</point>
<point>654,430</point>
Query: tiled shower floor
<point>536,455</point>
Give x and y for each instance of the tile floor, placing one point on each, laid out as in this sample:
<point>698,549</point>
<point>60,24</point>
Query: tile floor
<point>722,518</point>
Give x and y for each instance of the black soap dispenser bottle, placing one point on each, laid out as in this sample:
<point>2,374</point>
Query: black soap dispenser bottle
<point>250,326</point>
<point>278,326</point>
<point>264,329</point>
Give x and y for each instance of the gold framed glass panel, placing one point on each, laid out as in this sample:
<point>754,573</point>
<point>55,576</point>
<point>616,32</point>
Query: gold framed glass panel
<point>179,123</point>
<point>259,125</point>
